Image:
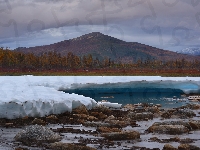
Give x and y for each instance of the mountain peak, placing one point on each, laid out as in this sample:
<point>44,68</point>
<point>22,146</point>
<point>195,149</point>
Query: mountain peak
<point>101,46</point>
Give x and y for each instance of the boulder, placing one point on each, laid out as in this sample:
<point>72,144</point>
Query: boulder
<point>129,107</point>
<point>68,146</point>
<point>186,124</point>
<point>52,119</point>
<point>140,116</point>
<point>168,129</point>
<point>186,113</point>
<point>37,134</point>
<point>169,147</point>
<point>115,122</point>
<point>195,124</point>
<point>80,110</point>
<point>124,135</point>
<point>38,121</point>
<point>101,108</point>
<point>187,147</point>
<point>99,115</point>
<point>153,109</point>
<point>107,129</point>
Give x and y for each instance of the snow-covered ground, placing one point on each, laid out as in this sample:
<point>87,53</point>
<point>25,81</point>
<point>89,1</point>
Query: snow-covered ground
<point>41,95</point>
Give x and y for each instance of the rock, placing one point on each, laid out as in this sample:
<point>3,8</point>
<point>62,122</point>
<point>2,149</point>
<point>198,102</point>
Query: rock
<point>154,139</point>
<point>169,147</point>
<point>38,121</point>
<point>184,113</point>
<point>140,116</point>
<point>85,117</point>
<point>99,115</point>
<point>186,124</point>
<point>80,116</point>
<point>166,114</point>
<point>52,119</point>
<point>116,122</point>
<point>124,135</point>
<point>158,105</point>
<point>37,134</point>
<point>129,107</point>
<point>68,146</point>
<point>103,109</point>
<point>152,109</point>
<point>187,147</point>
<point>195,124</point>
<point>8,125</point>
<point>91,118</point>
<point>80,110</point>
<point>194,106</point>
<point>168,129</point>
<point>107,129</point>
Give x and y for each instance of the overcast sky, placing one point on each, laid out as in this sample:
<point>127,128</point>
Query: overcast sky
<point>168,24</point>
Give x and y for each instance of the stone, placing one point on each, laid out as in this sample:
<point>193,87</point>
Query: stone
<point>107,129</point>
<point>80,116</point>
<point>129,107</point>
<point>183,147</point>
<point>52,119</point>
<point>80,110</point>
<point>99,115</point>
<point>38,121</point>
<point>124,135</point>
<point>169,147</point>
<point>140,116</point>
<point>8,125</point>
<point>195,124</point>
<point>186,124</point>
<point>37,134</point>
<point>184,113</point>
<point>68,146</point>
<point>116,122</point>
<point>166,115</point>
<point>101,108</point>
<point>91,118</point>
<point>168,129</point>
<point>152,109</point>
<point>187,147</point>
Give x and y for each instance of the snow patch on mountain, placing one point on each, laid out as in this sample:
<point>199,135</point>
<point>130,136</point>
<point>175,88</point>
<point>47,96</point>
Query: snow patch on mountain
<point>191,51</point>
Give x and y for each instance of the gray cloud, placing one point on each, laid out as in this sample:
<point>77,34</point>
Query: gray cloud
<point>169,22</point>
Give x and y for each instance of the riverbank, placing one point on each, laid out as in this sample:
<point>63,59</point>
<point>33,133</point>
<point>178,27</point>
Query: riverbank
<point>104,72</point>
<point>141,126</point>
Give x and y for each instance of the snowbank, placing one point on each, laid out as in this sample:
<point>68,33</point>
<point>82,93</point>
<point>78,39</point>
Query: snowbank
<point>18,99</point>
<point>39,95</point>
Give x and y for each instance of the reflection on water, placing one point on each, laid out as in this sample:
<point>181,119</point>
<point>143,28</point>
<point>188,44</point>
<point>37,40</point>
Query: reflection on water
<point>165,96</point>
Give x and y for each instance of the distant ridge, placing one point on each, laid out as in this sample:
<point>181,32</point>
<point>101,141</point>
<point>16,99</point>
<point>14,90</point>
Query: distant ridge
<point>101,46</point>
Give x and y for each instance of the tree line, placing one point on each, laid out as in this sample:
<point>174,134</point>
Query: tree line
<point>51,60</point>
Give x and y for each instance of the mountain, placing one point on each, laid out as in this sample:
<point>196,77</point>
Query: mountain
<point>101,46</point>
<point>191,51</point>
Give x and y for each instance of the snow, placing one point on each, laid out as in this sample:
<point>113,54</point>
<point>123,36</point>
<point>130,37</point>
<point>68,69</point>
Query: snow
<point>110,105</point>
<point>191,51</point>
<point>22,96</point>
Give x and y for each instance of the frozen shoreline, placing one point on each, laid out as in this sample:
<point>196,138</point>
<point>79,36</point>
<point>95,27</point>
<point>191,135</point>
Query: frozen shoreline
<point>40,95</point>
<point>79,132</point>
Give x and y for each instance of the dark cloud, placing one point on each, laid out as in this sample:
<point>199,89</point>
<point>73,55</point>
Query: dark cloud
<point>162,23</point>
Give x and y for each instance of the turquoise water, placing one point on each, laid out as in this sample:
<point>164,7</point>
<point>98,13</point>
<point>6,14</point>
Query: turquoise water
<point>167,93</point>
<point>167,97</point>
